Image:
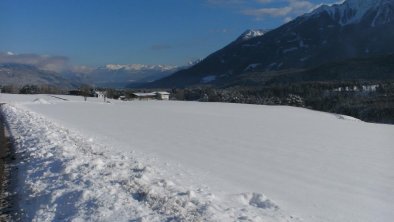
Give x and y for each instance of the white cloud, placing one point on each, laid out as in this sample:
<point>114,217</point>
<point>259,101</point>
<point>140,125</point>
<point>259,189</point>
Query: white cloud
<point>273,12</point>
<point>262,9</point>
<point>291,8</point>
<point>51,63</point>
<point>300,5</point>
<point>44,62</point>
<point>287,19</point>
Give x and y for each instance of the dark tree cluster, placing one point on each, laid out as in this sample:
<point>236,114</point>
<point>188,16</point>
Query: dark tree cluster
<point>369,101</point>
<point>31,89</point>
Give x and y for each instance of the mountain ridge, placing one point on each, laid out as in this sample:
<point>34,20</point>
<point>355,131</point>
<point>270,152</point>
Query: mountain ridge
<point>122,75</point>
<point>309,40</point>
<point>353,11</point>
<point>22,74</point>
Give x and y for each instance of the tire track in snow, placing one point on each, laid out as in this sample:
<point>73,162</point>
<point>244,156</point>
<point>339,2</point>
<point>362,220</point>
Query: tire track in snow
<point>7,173</point>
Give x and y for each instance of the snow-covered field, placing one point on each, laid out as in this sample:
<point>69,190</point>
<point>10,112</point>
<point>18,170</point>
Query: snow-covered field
<point>190,161</point>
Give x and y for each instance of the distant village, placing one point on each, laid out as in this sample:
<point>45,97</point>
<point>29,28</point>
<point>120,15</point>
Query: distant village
<point>121,95</point>
<point>137,96</point>
<point>88,91</point>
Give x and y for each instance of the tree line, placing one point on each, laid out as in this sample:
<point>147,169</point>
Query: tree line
<point>372,104</point>
<point>370,101</point>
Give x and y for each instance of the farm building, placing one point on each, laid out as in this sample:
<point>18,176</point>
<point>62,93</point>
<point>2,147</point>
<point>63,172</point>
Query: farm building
<point>100,94</point>
<point>163,95</point>
<point>144,96</point>
<point>151,96</point>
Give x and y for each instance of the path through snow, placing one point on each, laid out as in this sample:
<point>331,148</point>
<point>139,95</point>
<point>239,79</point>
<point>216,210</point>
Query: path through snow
<point>66,177</point>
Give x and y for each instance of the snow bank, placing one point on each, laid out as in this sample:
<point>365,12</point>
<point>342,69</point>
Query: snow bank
<point>41,101</point>
<point>66,177</point>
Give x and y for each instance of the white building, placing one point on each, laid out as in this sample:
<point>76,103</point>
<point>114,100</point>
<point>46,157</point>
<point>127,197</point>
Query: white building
<point>163,95</point>
<point>152,96</point>
<point>100,94</point>
<point>144,96</point>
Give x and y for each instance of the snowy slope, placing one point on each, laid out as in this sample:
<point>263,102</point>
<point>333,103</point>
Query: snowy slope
<point>224,162</point>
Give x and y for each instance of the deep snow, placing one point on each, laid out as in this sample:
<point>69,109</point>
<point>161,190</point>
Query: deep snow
<point>159,160</point>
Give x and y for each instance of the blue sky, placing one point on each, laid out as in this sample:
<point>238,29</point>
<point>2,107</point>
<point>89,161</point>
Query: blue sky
<point>97,32</point>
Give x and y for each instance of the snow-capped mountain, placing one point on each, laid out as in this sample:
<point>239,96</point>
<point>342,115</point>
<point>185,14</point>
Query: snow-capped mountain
<point>252,33</point>
<point>122,75</point>
<point>138,67</point>
<point>352,29</point>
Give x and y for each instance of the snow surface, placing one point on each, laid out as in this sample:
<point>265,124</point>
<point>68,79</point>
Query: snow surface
<point>190,161</point>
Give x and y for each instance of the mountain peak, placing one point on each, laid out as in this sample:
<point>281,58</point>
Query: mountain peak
<point>252,33</point>
<point>354,11</point>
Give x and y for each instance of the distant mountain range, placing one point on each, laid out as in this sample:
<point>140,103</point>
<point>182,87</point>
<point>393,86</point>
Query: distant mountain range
<point>121,76</point>
<point>20,75</point>
<point>329,34</point>
<point>111,75</point>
